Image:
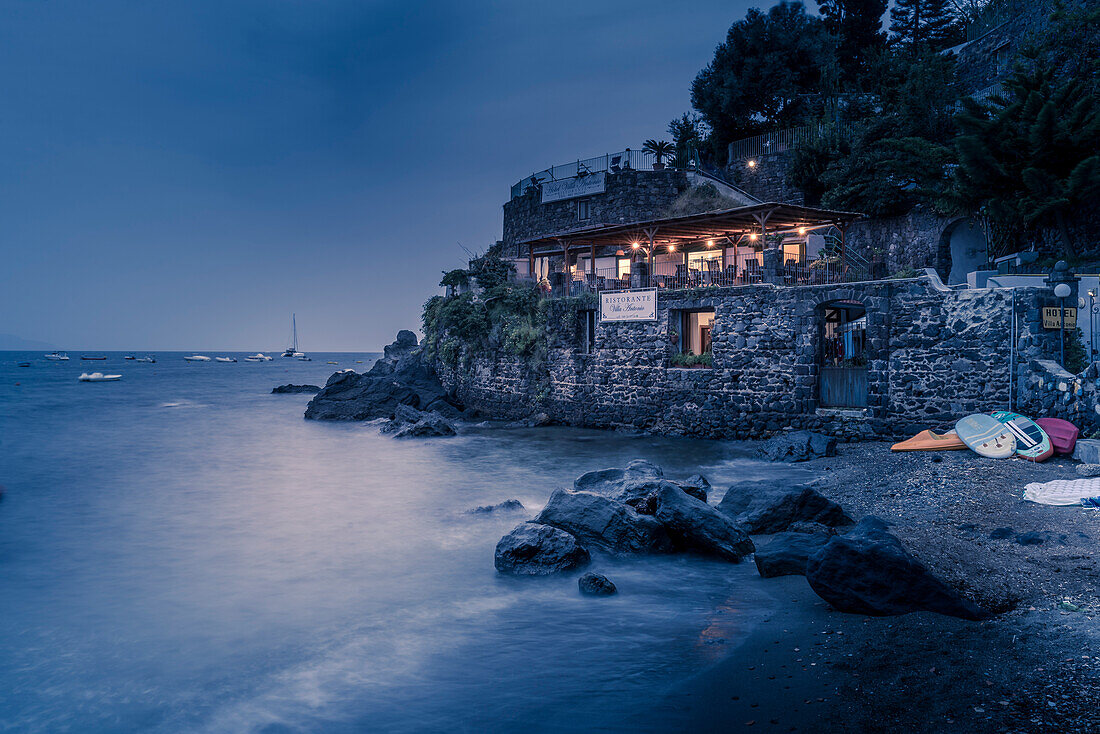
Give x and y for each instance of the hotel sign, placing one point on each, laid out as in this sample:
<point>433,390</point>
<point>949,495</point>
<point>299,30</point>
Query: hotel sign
<point>1052,318</point>
<point>636,305</point>
<point>571,188</point>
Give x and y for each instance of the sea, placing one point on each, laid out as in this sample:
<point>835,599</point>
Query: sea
<point>181,551</point>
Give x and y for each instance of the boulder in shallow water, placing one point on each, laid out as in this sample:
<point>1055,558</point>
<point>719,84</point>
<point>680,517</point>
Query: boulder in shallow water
<point>412,423</point>
<point>505,506</point>
<point>539,550</point>
<point>868,571</point>
<point>786,554</point>
<point>696,485</point>
<point>604,523</point>
<point>767,507</point>
<point>401,377</point>
<point>798,446</point>
<point>694,525</point>
<point>294,389</point>
<point>596,584</point>
<point>609,481</point>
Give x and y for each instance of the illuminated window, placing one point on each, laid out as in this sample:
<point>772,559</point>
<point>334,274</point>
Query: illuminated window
<point>584,209</point>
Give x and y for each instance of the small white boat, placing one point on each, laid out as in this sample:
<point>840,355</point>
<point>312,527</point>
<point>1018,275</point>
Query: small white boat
<point>304,358</point>
<point>331,362</point>
<point>225,359</point>
<point>57,357</point>
<point>98,377</point>
<point>150,360</point>
<point>258,357</point>
<point>197,358</point>
<point>130,357</point>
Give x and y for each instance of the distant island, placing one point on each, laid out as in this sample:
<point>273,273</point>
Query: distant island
<point>13,343</point>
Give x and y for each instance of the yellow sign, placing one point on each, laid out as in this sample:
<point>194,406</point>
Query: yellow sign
<point>1052,318</point>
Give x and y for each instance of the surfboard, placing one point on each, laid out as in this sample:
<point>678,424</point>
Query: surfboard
<point>1032,442</point>
<point>1063,434</point>
<point>929,441</point>
<point>986,436</point>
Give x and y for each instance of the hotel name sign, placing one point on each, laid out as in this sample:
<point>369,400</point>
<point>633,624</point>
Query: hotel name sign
<point>571,188</point>
<point>1052,317</point>
<point>635,305</point>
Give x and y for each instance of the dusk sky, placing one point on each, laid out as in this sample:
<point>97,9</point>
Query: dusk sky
<point>185,175</point>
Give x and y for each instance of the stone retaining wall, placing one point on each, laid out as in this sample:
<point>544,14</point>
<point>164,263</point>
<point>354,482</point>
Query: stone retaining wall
<point>933,357</point>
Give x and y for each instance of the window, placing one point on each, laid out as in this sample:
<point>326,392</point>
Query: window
<point>588,326</point>
<point>584,209</point>
<point>693,341</point>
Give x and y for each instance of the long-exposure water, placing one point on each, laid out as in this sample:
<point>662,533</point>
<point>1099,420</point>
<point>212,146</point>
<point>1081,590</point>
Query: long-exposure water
<point>182,551</point>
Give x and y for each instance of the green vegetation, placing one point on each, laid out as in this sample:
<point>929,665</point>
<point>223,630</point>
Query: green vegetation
<point>659,149</point>
<point>1076,359</point>
<point>686,359</point>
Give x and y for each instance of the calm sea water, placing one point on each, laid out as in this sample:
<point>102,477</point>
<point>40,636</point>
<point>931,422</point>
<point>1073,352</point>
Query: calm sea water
<point>182,551</point>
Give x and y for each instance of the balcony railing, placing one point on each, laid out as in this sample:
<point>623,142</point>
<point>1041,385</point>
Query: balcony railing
<point>637,160</point>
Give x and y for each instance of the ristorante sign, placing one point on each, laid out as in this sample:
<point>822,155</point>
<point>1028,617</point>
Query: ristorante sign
<point>636,305</point>
<point>571,188</point>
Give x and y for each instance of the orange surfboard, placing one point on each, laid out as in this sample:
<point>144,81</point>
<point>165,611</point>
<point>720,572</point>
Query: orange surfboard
<point>929,441</point>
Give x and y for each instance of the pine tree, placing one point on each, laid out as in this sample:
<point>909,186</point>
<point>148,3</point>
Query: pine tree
<point>924,24</point>
<point>857,25</point>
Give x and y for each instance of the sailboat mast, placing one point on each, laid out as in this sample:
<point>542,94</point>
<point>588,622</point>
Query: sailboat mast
<point>294,330</point>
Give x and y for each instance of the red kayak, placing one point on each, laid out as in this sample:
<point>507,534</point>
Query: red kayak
<point>1063,434</point>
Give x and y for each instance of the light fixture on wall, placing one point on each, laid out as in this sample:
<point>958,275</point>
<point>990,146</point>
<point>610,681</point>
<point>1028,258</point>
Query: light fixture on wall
<point>620,253</point>
<point>751,163</point>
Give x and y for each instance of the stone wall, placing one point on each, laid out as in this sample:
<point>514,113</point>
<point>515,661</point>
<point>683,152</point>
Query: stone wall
<point>934,356</point>
<point>629,196</point>
<point>912,240</point>
<point>767,179</point>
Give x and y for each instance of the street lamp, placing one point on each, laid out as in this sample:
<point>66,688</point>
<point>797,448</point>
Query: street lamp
<point>1061,291</point>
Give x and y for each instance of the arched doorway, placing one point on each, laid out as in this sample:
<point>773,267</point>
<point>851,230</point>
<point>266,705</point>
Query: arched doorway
<point>842,381</point>
<point>964,241</point>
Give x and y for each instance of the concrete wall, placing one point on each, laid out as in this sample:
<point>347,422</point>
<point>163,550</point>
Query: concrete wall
<point>934,356</point>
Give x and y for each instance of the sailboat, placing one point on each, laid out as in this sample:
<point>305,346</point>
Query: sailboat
<point>292,350</point>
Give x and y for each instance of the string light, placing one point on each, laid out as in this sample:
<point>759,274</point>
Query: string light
<point>634,245</point>
<point>672,248</point>
<point>752,237</point>
<point>802,230</point>
<point>710,243</point>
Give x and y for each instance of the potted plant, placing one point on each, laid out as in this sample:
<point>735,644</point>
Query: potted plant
<point>673,336</point>
<point>659,149</point>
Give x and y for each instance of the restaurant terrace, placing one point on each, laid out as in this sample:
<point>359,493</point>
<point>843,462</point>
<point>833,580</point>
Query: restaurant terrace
<point>784,244</point>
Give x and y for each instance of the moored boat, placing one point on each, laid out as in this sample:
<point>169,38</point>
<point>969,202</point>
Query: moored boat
<point>197,358</point>
<point>150,360</point>
<point>57,357</point>
<point>98,377</point>
<point>225,359</point>
<point>92,357</point>
<point>292,350</point>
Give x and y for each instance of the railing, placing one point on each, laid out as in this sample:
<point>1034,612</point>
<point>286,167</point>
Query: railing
<point>638,160</point>
<point>982,95</point>
<point>781,141</point>
<point>745,269</point>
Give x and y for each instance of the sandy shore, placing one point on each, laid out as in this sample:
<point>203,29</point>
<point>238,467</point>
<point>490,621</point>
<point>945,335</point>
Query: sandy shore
<point>1035,667</point>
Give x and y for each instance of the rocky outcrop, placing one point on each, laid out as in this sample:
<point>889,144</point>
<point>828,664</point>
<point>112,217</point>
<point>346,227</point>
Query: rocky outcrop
<point>798,446</point>
<point>505,506</point>
<point>539,550</point>
<point>401,377</point>
<point>787,553</point>
<point>639,480</point>
<point>604,523</point>
<point>412,423</point>
<point>868,571</point>
<point>596,584</point>
<point>696,526</point>
<point>294,389</point>
<point>765,507</point>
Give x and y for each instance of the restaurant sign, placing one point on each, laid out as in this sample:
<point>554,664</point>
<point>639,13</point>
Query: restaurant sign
<point>1052,319</point>
<point>635,305</point>
<point>571,188</point>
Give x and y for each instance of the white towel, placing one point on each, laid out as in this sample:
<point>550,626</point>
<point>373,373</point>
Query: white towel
<point>1062,491</point>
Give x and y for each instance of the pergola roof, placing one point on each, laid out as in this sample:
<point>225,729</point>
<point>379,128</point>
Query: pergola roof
<point>690,228</point>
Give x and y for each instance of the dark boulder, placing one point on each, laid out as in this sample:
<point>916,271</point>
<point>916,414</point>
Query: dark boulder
<point>868,571</point>
<point>505,506</point>
<point>294,389</point>
<point>596,584</point>
<point>766,507</point>
<point>401,377</point>
<point>694,525</point>
<point>696,485</point>
<point>539,550</point>
<point>798,446</point>
<point>610,481</point>
<point>604,523</point>
<point>412,423</point>
<point>786,554</point>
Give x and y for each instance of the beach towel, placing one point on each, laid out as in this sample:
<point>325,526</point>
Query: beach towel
<point>1062,491</point>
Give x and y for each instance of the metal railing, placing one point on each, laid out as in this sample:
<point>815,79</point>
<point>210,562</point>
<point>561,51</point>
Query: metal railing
<point>781,141</point>
<point>638,160</point>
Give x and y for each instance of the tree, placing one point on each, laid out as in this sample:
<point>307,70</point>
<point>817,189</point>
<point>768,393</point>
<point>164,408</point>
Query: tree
<point>761,75</point>
<point>857,25</point>
<point>659,149</point>
<point>1030,156</point>
<point>688,132</point>
<point>920,25</point>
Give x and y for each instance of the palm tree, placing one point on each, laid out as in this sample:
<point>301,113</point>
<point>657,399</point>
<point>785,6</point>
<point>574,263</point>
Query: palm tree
<point>659,149</point>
